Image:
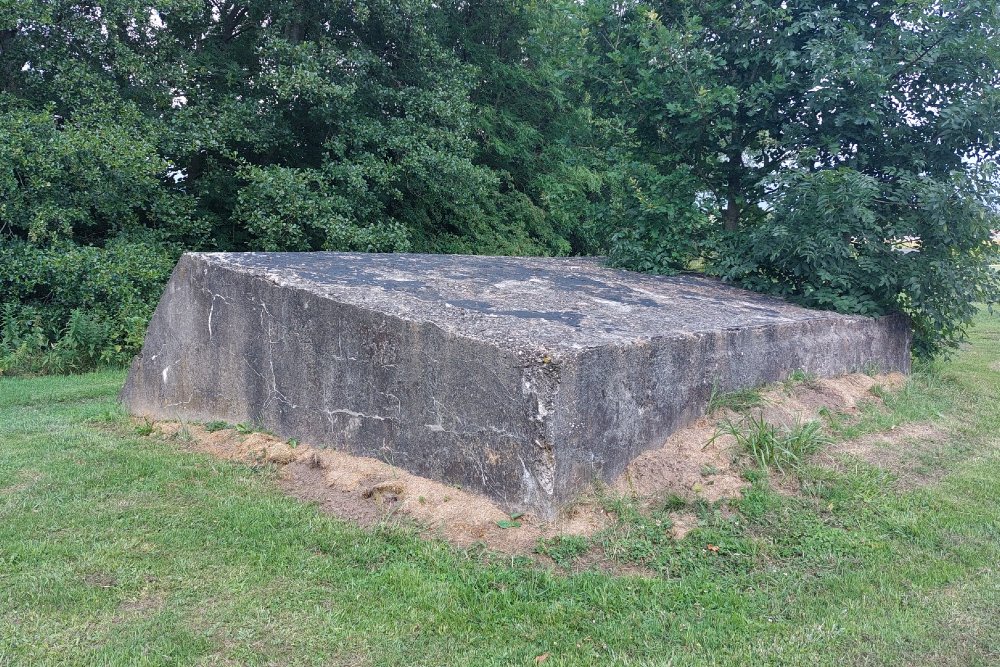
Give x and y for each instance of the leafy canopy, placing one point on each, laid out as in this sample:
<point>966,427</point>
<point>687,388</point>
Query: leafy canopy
<point>821,141</point>
<point>838,154</point>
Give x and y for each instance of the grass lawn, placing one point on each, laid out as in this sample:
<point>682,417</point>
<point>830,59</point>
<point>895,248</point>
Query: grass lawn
<point>119,549</point>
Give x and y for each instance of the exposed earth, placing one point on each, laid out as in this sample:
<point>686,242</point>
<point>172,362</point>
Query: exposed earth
<point>697,462</point>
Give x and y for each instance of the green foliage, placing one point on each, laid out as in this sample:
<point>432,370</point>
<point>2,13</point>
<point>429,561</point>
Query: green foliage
<point>673,503</point>
<point>737,401</point>
<point>792,148</point>
<point>650,220</point>
<point>822,139</point>
<point>246,428</point>
<point>846,241</point>
<point>343,127</point>
<point>563,549</point>
<point>144,429</point>
<point>293,209</point>
<point>69,308</point>
<point>773,447</point>
<point>800,377</point>
<point>87,178</point>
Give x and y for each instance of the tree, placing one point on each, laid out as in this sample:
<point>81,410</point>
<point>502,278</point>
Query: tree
<point>244,125</point>
<point>331,125</point>
<point>530,119</point>
<point>822,138</point>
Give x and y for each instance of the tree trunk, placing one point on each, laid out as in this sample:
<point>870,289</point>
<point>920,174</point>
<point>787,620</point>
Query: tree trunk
<point>731,216</point>
<point>10,68</point>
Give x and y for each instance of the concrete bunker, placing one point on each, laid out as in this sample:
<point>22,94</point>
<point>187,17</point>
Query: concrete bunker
<point>525,379</point>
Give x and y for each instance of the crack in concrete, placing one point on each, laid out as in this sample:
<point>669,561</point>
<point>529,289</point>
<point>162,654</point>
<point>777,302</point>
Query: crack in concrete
<point>211,309</point>
<point>359,415</point>
<point>274,394</point>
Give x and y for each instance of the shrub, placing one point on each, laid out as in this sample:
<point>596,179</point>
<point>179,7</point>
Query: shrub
<point>70,308</point>
<point>841,240</point>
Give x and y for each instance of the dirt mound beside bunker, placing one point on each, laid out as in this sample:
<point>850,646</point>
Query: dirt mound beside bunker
<point>694,463</point>
<point>366,491</point>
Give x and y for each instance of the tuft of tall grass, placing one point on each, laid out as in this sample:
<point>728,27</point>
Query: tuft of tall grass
<point>771,446</point>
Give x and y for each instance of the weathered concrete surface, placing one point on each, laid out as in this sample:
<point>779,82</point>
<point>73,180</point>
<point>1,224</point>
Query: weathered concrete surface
<point>525,379</point>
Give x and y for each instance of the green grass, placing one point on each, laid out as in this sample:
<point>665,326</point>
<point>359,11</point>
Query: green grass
<point>214,426</point>
<point>119,549</point>
<point>771,446</point>
<point>799,377</point>
<point>737,401</point>
<point>563,549</point>
<point>929,395</point>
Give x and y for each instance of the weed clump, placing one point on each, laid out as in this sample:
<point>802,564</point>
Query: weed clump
<point>771,446</point>
<point>737,401</point>
<point>563,549</point>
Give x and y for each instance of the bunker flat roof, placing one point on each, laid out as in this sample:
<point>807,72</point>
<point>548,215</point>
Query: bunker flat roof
<point>563,303</point>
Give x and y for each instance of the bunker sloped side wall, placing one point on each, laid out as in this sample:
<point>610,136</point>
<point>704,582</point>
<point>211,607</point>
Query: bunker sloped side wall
<point>227,345</point>
<point>616,402</point>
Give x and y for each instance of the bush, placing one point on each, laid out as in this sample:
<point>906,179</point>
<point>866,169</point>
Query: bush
<point>651,221</point>
<point>70,308</point>
<point>842,240</point>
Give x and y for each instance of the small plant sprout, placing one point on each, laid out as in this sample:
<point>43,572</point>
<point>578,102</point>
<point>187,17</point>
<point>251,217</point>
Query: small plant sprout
<point>800,376</point>
<point>512,522</point>
<point>674,503</point>
<point>145,428</point>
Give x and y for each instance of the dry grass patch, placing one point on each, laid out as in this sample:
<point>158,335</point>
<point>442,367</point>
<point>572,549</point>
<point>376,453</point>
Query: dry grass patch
<point>909,452</point>
<point>367,491</point>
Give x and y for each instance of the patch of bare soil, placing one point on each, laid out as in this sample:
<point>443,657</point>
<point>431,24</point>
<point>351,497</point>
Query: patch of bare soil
<point>700,462</point>
<point>682,523</point>
<point>142,607</point>
<point>903,451</point>
<point>693,463</point>
<point>801,402</point>
<point>366,491</point>
<point>596,559</point>
<point>100,580</point>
